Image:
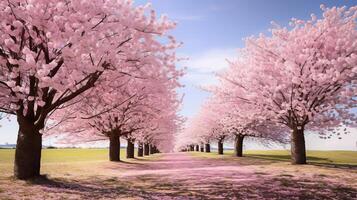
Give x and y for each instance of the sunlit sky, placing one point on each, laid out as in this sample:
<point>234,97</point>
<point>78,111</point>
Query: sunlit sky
<point>212,31</point>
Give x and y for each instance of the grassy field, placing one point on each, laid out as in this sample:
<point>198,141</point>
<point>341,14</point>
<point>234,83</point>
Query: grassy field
<point>64,159</point>
<point>315,157</point>
<point>63,155</point>
<point>70,174</point>
<point>88,155</point>
<point>87,174</point>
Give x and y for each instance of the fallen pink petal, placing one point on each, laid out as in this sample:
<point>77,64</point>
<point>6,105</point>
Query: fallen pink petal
<point>178,99</point>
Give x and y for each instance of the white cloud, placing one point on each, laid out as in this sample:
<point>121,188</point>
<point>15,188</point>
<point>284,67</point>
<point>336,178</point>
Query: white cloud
<point>197,79</point>
<point>201,68</point>
<point>211,61</point>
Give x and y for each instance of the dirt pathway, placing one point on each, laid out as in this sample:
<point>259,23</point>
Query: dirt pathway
<point>184,176</point>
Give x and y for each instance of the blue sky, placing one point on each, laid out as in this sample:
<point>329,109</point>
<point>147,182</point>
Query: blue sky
<point>212,31</point>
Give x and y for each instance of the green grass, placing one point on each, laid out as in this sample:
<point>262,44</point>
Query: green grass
<point>316,157</point>
<point>66,161</point>
<point>63,155</point>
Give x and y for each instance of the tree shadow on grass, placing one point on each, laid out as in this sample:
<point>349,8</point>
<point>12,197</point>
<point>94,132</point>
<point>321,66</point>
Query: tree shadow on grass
<point>187,186</point>
<point>262,188</point>
<point>311,160</point>
<point>111,188</point>
<point>85,189</point>
<point>125,162</point>
<point>286,157</point>
<point>246,160</point>
<point>144,159</point>
<point>195,179</point>
<point>122,165</point>
<point>332,165</point>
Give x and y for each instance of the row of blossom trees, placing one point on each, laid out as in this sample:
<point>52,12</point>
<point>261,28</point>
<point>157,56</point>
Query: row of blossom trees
<point>221,122</point>
<point>297,79</point>
<point>88,69</point>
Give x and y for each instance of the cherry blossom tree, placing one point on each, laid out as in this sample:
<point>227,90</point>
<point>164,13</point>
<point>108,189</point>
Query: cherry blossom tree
<point>222,121</point>
<point>52,53</point>
<point>157,134</point>
<point>137,110</point>
<point>240,123</point>
<point>206,126</point>
<point>139,117</point>
<point>190,135</point>
<point>303,77</point>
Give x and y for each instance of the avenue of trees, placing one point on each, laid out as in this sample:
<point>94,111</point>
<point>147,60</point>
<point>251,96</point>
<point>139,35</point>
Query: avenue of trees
<point>302,78</point>
<point>85,71</point>
<point>88,70</point>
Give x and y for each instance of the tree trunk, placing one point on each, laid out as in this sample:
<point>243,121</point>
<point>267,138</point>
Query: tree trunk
<point>208,148</point>
<point>130,149</point>
<point>298,151</point>
<point>238,145</point>
<point>220,147</point>
<point>28,151</point>
<point>114,147</point>
<point>192,147</point>
<point>202,148</point>
<point>146,149</point>
<point>140,149</point>
<point>151,149</point>
<point>197,147</point>
<point>156,150</point>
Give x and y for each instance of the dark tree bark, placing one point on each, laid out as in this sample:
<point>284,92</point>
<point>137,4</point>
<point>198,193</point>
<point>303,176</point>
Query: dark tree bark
<point>155,149</point>
<point>146,149</point>
<point>220,146</point>
<point>192,147</point>
<point>298,151</point>
<point>114,147</point>
<point>151,149</point>
<point>140,149</point>
<point>197,147</point>
<point>208,148</point>
<point>238,145</point>
<point>130,149</point>
<point>202,148</point>
<point>28,151</point>
<point>27,161</point>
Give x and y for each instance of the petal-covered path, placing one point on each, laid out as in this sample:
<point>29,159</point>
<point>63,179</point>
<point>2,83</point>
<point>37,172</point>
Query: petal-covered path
<point>191,176</point>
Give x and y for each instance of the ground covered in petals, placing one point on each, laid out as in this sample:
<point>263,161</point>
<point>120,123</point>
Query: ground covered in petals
<point>184,176</point>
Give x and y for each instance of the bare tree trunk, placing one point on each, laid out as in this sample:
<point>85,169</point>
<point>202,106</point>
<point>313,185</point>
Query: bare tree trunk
<point>192,147</point>
<point>114,147</point>
<point>130,149</point>
<point>238,150</point>
<point>151,149</point>
<point>146,149</point>
<point>220,146</point>
<point>155,149</point>
<point>298,151</point>
<point>140,149</point>
<point>28,151</point>
<point>208,148</point>
<point>197,147</point>
<point>202,148</point>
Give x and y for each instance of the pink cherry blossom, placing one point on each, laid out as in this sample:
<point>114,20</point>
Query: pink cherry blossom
<point>60,52</point>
